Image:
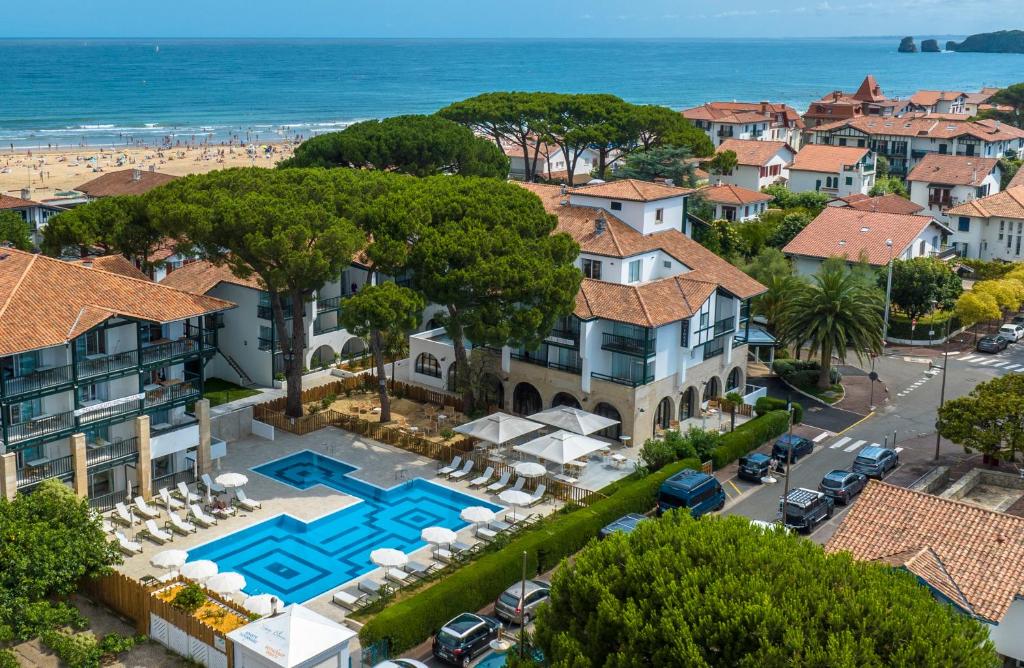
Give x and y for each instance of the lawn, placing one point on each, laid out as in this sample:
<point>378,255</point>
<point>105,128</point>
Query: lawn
<point>220,391</point>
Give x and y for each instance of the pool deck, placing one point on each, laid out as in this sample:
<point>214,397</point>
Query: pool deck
<point>377,463</point>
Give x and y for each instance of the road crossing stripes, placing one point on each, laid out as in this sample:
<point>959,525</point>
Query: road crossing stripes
<point>821,437</point>
<point>841,442</point>
<point>854,446</point>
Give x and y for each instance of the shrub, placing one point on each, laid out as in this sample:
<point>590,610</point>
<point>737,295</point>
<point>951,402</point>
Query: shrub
<point>749,436</point>
<point>734,397</point>
<point>704,442</point>
<point>7,659</point>
<point>768,404</point>
<point>189,598</point>
<point>83,650</point>
<point>447,434</point>
<point>657,452</point>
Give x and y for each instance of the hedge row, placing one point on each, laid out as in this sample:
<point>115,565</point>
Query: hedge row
<point>749,436</point>
<point>769,404</point>
<point>411,621</point>
<point>899,326</point>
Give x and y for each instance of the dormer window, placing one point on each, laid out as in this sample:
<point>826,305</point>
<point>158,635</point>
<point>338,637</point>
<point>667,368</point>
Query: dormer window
<point>592,269</point>
<point>616,206</point>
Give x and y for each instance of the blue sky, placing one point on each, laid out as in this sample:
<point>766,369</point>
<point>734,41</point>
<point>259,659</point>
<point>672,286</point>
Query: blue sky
<point>507,18</point>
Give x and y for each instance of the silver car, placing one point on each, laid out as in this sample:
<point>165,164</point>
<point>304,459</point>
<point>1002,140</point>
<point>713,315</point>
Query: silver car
<point>510,608</point>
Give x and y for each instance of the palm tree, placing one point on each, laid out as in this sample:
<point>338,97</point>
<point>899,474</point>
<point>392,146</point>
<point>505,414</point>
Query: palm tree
<point>836,311</point>
<point>772,304</point>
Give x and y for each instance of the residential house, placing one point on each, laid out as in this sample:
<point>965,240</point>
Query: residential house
<point>940,182</point>
<point>868,100</point>
<point>659,327</point>
<point>98,372</point>
<point>249,346</point>
<point>35,214</point>
<point>879,204</point>
<point>550,163</point>
<point>939,102</point>
<point>837,170</point>
<point>969,557</point>
<point>124,182</point>
<point>735,203</point>
<point>990,228</point>
<point>763,121</point>
<point>980,101</point>
<point>876,238</point>
<point>905,141</point>
<point>759,163</point>
<point>1017,180</point>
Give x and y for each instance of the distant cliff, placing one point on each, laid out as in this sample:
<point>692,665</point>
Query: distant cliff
<point>907,45</point>
<point>930,46</point>
<point>1004,41</point>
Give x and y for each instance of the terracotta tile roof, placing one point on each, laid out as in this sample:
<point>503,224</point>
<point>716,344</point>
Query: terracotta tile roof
<point>844,231</point>
<point>885,204</point>
<point>869,90</point>
<point>957,170</point>
<point>620,240</point>
<point>720,113</point>
<point>826,158</point>
<point>631,190</point>
<point>122,183</point>
<point>8,202</point>
<point>753,152</point>
<point>972,555</point>
<point>1017,180</point>
<point>46,302</point>
<point>201,276</point>
<point>1007,204</point>
<point>714,111</point>
<point>927,125</point>
<point>851,198</point>
<point>733,195</point>
<point>115,264</point>
<point>648,305</point>
<point>927,98</point>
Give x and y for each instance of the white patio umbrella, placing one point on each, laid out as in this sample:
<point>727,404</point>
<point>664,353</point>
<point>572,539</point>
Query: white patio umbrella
<point>514,498</point>
<point>168,559</point>
<point>438,536</point>
<point>530,469</point>
<point>477,514</point>
<point>229,480</point>
<point>261,604</point>
<point>226,583</point>
<point>572,419</point>
<point>561,447</point>
<point>199,570</point>
<point>498,428</point>
<point>389,558</point>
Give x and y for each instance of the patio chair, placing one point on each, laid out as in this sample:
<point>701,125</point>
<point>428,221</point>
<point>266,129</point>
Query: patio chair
<point>422,569</point>
<point>143,509</point>
<point>499,526</point>
<point>168,500</point>
<point>485,533</point>
<point>156,534</point>
<point>518,487</point>
<point>129,547</point>
<point>223,513</point>
<point>244,501</point>
<point>185,494</point>
<point>451,468</point>
<point>537,496</point>
<point>400,576</point>
<point>502,483</point>
<point>179,525</point>
<point>463,472</point>
<point>209,484</point>
<point>200,517</point>
<point>484,479</point>
<point>122,516</point>
<point>371,586</point>
<point>351,598</point>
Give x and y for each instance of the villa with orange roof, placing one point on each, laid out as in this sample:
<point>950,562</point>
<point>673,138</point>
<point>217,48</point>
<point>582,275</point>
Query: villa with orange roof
<point>990,228</point>
<point>764,121</point>
<point>661,324</point>
<point>35,214</point>
<point>939,101</point>
<point>940,182</point>
<point>734,203</point>
<point>868,100</point>
<point>758,163</point>
<point>836,170</point>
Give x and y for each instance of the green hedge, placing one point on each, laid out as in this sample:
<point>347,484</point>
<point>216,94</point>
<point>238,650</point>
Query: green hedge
<point>899,326</point>
<point>769,404</point>
<point>411,621</point>
<point>749,436</point>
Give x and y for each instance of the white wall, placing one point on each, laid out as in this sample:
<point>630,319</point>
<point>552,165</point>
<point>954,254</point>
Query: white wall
<point>240,335</point>
<point>960,194</point>
<point>1008,635</point>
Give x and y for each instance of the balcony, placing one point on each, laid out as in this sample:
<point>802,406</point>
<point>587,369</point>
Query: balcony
<point>107,411</point>
<point>566,338</point>
<point>328,304</point>
<point>173,391</point>
<point>623,380</point>
<point>265,344</point>
<point>725,326</point>
<point>628,345</point>
<point>30,476</point>
<point>37,382</point>
<point>111,454</point>
<point>40,427</point>
<point>162,352</point>
<point>107,366</point>
<point>266,312</point>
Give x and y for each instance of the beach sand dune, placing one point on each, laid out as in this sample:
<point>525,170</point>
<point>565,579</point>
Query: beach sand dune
<point>50,171</point>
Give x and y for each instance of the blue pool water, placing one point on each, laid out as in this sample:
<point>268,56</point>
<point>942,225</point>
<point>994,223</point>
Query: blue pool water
<point>296,561</point>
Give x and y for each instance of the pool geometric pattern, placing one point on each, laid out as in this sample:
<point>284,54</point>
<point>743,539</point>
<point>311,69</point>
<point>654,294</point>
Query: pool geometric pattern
<point>297,561</point>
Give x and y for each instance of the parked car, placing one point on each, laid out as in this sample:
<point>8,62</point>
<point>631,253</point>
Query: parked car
<point>1012,332</point>
<point>804,509</point>
<point>1018,319</point>
<point>624,524</point>
<point>842,485</point>
<point>992,344</point>
<point>699,492</point>
<point>874,461</point>
<point>799,445</point>
<point>464,637</point>
<point>754,467</point>
<point>510,607</point>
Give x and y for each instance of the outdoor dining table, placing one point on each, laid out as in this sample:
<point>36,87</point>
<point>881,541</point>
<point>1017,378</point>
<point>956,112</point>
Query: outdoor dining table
<point>619,460</point>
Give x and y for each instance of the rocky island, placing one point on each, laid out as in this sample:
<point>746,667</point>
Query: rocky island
<point>1003,41</point>
<point>930,46</point>
<point>907,45</point>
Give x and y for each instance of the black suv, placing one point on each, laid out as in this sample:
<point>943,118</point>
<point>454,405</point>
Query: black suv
<point>754,467</point>
<point>842,485</point>
<point>464,637</point>
<point>799,445</point>
<point>805,509</point>
<point>992,344</point>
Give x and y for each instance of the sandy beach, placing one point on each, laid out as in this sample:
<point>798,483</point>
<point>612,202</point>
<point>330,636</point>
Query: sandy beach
<point>50,171</point>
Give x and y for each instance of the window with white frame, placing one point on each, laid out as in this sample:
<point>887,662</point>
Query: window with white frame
<point>634,271</point>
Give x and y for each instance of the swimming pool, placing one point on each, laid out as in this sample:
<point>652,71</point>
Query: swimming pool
<point>296,560</point>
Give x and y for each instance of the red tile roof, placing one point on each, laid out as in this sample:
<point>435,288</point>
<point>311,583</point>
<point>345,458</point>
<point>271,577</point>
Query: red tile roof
<point>1007,204</point>
<point>8,202</point>
<point>826,158</point>
<point>649,305</point>
<point>631,190</point>
<point>849,232</point>
<point>885,204</point>
<point>957,170</point>
<point>753,152</point>
<point>733,195</point>
<point>926,125</point>
<point>200,277</point>
<point>973,556</point>
<point>123,182</point>
<point>115,264</point>
<point>927,98</point>
<point>1017,180</point>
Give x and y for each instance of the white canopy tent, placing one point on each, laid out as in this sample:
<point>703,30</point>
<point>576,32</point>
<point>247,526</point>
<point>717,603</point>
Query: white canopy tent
<point>295,638</point>
<point>561,447</point>
<point>498,428</point>
<point>576,420</point>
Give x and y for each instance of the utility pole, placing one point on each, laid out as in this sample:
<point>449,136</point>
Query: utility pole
<point>888,292</point>
<point>942,392</point>
<point>789,457</point>
<point>522,612</point>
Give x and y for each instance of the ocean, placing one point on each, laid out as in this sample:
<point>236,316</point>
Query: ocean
<point>99,92</point>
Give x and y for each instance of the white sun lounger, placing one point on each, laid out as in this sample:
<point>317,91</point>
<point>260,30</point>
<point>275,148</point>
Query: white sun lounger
<point>167,499</point>
<point>518,487</point>
<point>400,576</point>
<point>370,586</point>
<point>449,555</point>
<point>501,484</point>
<point>179,525</point>
<point>143,508</point>
<point>127,546</point>
<point>187,495</point>
<point>486,533</point>
<point>200,516</point>
<point>223,513</point>
<point>122,516</point>
<point>156,534</point>
<point>352,598</point>
<point>451,468</point>
<point>210,484</point>
<point>537,496</point>
<point>244,501</point>
<point>463,472</point>
<point>421,569</point>
<point>484,479</point>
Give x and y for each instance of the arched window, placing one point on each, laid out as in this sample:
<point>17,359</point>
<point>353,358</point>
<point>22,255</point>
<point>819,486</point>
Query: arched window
<point>428,365</point>
<point>526,400</point>
<point>564,399</point>
<point>734,380</point>
<point>663,416</point>
<point>453,378</point>
<point>712,389</point>
<point>607,410</point>
<point>689,407</point>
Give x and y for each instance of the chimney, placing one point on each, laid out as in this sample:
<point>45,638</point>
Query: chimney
<point>600,224</point>
<point>26,193</point>
<point>136,175</point>
<point>670,183</point>
<point>87,262</point>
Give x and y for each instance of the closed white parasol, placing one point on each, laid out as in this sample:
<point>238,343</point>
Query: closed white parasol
<point>262,604</point>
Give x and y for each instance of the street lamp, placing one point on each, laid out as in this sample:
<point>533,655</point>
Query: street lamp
<point>888,292</point>
<point>942,392</point>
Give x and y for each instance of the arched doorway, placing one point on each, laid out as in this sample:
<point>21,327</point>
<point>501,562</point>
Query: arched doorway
<point>427,365</point>
<point>453,380</point>
<point>607,410</point>
<point>712,388</point>
<point>689,406</point>
<point>494,392</point>
<point>663,416</point>
<point>353,347</point>
<point>526,399</point>
<point>565,399</point>
<point>321,357</point>
<point>735,380</point>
